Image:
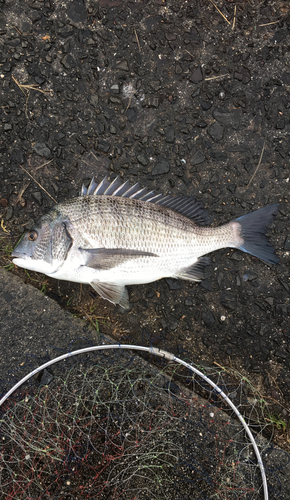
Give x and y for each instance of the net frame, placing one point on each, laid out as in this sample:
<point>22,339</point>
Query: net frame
<point>169,357</point>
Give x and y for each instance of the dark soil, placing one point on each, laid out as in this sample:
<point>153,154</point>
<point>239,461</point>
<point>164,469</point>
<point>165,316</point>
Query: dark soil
<point>172,95</point>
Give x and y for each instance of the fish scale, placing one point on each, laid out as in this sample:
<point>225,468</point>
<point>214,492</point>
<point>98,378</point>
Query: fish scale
<point>116,234</point>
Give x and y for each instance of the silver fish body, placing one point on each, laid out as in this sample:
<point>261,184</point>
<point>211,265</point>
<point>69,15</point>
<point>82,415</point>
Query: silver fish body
<point>115,235</point>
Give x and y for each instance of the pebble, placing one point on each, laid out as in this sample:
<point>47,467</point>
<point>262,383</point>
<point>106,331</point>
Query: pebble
<point>228,119</point>
<point>228,300</point>
<point>94,100</point>
<point>103,146</point>
<point>208,318</point>
<point>161,167</point>
<point>9,213</point>
<point>170,134</point>
<point>173,284</point>
<point>37,196</point>
<point>143,160</point>
<point>287,243</point>
<point>196,75</point>
<point>41,149</point>
<point>68,62</point>
<point>76,11</point>
<point>123,65</point>
<point>115,89</point>
<point>197,158</point>
<point>216,131</point>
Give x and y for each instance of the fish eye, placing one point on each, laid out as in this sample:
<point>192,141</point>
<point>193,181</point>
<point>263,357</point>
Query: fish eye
<point>32,235</point>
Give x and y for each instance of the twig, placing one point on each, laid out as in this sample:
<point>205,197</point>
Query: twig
<point>234,21</point>
<point>268,24</point>
<point>17,83</point>
<point>137,40</point>
<point>29,87</point>
<point>215,77</point>
<point>21,192</point>
<point>220,12</point>
<point>17,30</point>
<point>43,165</point>
<point>38,183</point>
<point>189,53</point>
<point>256,169</point>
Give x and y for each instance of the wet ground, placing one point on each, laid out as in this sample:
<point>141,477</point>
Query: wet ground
<point>186,101</point>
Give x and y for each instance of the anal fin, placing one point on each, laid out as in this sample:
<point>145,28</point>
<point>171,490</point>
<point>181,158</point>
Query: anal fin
<point>194,272</point>
<point>117,294</point>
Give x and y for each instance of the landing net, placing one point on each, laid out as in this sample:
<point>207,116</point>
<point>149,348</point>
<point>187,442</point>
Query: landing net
<point>103,423</point>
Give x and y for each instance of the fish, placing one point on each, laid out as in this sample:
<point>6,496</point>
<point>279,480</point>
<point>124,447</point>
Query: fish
<point>115,234</point>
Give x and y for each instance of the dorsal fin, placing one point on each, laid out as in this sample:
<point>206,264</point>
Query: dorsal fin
<point>187,206</point>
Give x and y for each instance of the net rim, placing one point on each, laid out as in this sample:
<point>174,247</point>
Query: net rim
<point>161,354</point>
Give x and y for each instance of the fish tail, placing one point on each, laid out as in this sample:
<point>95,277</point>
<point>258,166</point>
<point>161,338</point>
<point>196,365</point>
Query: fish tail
<point>252,233</point>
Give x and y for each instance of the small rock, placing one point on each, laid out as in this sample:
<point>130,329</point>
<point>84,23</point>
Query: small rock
<point>94,100</point>
<point>280,124</point>
<point>170,36</point>
<point>41,149</point>
<point>103,146</point>
<point>155,84</point>
<point>123,65</point>
<point>37,196</point>
<point>216,131</point>
<point>6,67</point>
<point>112,129</point>
<point>68,62</point>
<point>229,119</point>
<point>237,256</point>
<point>270,301</point>
<point>18,156</point>
<point>7,126</point>
<point>39,79</point>
<point>228,300</point>
<point>286,78</point>
<point>152,102</point>
<point>206,284</point>
<point>9,213</point>
<point>196,75</point>
<point>287,243</point>
<point>173,284</point>
<point>77,11</point>
<point>170,134</point>
<point>208,318</point>
<point>278,36</point>
<point>143,160</point>
<point>263,329</point>
<point>115,89</point>
<point>243,75</point>
<point>197,158</point>
<point>196,93</point>
<point>188,302</point>
<point>206,105</point>
<point>161,167</point>
<point>132,115</point>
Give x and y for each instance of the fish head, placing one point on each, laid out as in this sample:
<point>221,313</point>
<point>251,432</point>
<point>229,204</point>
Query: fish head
<point>44,248</point>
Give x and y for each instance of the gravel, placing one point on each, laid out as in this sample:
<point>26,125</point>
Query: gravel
<point>167,94</point>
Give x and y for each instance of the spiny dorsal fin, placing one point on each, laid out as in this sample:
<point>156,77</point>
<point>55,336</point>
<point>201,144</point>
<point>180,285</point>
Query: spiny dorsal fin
<point>187,206</point>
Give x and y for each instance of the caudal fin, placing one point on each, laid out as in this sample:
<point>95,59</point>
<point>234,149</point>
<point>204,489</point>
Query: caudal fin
<point>253,229</point>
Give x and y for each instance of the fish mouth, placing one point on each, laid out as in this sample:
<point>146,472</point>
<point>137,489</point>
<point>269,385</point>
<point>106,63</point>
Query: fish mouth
<point>19,255</point>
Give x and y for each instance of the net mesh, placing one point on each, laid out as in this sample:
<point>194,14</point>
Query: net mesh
<point>109,425</point>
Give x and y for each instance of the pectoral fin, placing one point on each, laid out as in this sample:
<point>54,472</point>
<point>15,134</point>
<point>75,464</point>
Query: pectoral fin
<point>113,292</point>
<point>108,258</point>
